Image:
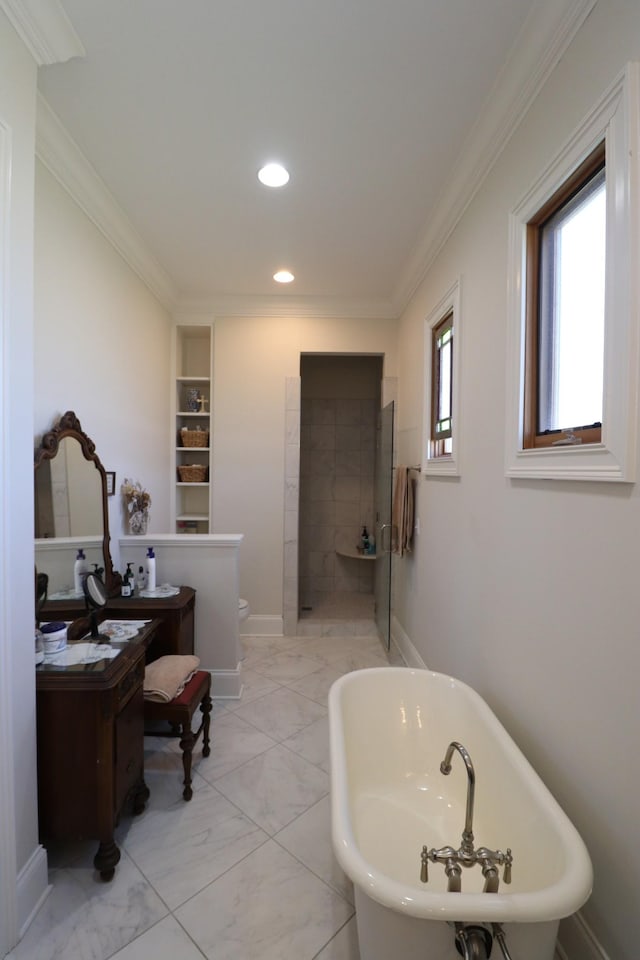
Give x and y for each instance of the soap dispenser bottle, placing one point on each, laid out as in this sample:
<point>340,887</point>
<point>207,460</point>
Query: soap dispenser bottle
<point>80,568</point>
<point>127,582</point>
<point>151,569</point>
<point>365,540</point>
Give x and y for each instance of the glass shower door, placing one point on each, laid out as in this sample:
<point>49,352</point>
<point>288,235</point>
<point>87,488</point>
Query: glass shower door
<point>383,503</point>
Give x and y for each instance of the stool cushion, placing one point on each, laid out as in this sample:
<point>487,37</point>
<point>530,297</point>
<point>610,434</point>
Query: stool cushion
<point>184,698</point>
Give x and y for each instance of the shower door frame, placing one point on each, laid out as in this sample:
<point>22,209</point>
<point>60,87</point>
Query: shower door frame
<point>383,508</point>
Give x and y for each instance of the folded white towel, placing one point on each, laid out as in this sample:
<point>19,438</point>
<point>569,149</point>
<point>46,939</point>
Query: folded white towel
<point>167,677</point>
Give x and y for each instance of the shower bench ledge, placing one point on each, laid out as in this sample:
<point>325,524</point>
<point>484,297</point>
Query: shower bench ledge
<point>354,555</point>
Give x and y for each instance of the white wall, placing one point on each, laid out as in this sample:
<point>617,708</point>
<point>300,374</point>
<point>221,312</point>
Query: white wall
<point>22,861</point>
<point>102,347</point>
<point>252,358</point>
<point>528,590</point>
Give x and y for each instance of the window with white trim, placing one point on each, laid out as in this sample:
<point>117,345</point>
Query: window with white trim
<point>573,325</point>
<point>442,343</point>
<point>564,338</point>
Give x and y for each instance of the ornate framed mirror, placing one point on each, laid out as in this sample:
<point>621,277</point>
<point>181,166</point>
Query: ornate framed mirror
<point>71,510</point>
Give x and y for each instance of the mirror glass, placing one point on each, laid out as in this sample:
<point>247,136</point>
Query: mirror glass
<point>94,590</point>
<point>70,488</point>
<point>68,491</point>
<point>96,597</point>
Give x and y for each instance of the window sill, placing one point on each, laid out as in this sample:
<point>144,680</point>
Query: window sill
<point>441,467</point>
<point>584,462</point>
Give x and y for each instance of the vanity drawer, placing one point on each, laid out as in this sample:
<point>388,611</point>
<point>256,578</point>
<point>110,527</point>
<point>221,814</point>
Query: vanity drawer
<point>128,685</point>
<point>128,747</point>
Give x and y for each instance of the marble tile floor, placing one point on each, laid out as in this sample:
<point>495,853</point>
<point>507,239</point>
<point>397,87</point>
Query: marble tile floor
<point>245,871</point>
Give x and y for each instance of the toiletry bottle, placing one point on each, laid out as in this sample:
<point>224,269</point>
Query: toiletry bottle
<point>127,582</point>
<point>371,549</point>
<point>365,540</point>
<point>80,567</point>
<point>140,579</point>
<point>151,569</point>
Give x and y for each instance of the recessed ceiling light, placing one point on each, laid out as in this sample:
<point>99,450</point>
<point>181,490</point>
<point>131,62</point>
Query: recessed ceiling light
<point>273,175</point>
<point>283,276</point>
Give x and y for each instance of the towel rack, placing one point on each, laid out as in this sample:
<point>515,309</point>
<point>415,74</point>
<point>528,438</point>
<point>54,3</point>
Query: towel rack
<point>417,469</point>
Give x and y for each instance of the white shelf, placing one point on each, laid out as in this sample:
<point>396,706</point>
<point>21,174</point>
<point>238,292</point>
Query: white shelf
<point>354,555</point>
<point>192,516</point>
<point>193,379</point>
<point>190,413</point>
<point>193,449</point>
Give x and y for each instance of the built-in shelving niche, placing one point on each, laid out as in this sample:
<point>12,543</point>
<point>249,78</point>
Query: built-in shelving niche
<point>193,356</point>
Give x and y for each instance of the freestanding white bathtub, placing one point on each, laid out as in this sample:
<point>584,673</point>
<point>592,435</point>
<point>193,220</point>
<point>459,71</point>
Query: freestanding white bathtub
<point>390,728</point>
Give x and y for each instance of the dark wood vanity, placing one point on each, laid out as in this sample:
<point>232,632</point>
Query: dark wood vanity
<point>90,745</point>
<point>90,715</point>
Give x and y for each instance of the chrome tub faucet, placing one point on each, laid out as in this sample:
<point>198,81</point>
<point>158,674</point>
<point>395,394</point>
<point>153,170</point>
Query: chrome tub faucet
<point>466,855</point>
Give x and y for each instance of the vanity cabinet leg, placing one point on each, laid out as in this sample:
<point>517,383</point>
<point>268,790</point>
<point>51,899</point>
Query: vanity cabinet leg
<point>140,796</point>
<point>186,745</point>
<point>106,858</point>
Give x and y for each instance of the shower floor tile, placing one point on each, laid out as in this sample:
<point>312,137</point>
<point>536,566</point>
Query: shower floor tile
<point>340,606</point>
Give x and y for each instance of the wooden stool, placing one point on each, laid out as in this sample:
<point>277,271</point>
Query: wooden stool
<point>179,712</point>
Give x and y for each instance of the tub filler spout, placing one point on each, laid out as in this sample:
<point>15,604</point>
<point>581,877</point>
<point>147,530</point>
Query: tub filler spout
<point>445,767</point>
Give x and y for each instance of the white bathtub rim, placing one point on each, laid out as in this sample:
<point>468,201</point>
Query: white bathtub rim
<point>554,902</point>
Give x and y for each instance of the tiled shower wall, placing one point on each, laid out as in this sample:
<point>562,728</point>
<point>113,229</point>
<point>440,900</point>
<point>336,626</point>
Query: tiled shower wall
<point>337,466</point>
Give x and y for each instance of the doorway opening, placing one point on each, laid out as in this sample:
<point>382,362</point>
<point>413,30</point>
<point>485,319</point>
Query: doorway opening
<point>340,405</point>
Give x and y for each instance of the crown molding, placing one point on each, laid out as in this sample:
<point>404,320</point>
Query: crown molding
<point>546,34</point>
<point>45,30</point>
<point>347,308</point>
<point>66,162</point>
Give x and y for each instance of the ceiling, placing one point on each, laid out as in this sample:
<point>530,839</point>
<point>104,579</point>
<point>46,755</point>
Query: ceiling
<point>369,103</point>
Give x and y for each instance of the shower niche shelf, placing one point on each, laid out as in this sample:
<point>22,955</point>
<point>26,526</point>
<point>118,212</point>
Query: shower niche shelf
<point>355,555</point>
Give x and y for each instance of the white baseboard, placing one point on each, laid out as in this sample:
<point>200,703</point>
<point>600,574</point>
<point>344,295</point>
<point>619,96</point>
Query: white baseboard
<point>409,653</point>
<point>577,941</point>
<point>265,626</point>
<point>226,684</point>
<point>32,888</point>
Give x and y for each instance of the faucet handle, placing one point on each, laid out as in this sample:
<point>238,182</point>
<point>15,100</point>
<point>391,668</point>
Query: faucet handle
<point>424,869</point>
<point>508,860</point>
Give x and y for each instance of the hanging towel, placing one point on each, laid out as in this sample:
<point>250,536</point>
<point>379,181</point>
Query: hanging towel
<point>402,513</point>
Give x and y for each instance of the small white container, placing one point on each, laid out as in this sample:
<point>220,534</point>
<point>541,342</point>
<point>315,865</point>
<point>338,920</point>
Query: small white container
<point>54,637</point>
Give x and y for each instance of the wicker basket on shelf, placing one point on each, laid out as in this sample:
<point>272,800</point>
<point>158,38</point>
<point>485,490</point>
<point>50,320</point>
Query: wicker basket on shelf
<point>194,438</point>
<point>192,472</point>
